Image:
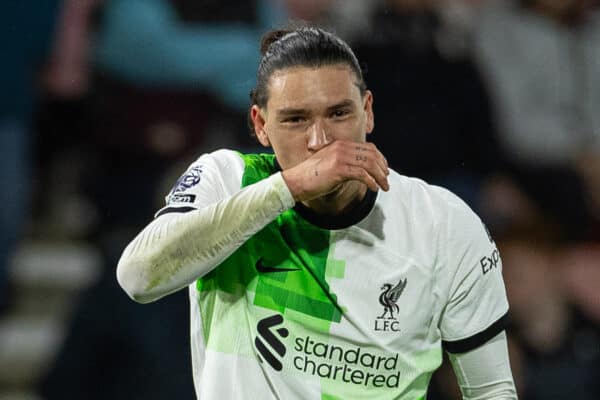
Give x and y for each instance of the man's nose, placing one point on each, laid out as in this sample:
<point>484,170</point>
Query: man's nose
<point>317,136</point>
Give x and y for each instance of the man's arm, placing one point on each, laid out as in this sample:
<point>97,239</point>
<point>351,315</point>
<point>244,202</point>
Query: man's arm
<point>484,373</point>
<point>476,311</point>
<point>177,248</point>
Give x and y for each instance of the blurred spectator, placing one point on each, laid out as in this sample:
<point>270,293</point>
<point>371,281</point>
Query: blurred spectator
<point>433,109</point>
<point>63,122</point>
<point>540,58</point>
<point>558,338</point>
<point>350,19</point>
<point>148,43</point>
<point>25,27</point>
<point>172,80</point>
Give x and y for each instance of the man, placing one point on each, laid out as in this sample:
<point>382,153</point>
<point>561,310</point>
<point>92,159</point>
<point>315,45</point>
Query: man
<point>318,273</point>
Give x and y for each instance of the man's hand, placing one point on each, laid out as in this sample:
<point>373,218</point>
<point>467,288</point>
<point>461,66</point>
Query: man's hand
<point>335,164</point>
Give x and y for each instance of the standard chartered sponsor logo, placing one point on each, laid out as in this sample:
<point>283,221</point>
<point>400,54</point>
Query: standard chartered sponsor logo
<point>348,364</point>
<point>264,330</point>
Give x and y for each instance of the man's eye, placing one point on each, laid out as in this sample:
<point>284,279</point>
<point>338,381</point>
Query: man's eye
<point>340,113</point>
<point>294,120</point>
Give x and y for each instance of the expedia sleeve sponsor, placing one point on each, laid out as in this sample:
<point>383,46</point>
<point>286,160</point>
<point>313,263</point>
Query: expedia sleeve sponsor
<point>472,281</point>
<point>491,262</point>
<point>346,364</point>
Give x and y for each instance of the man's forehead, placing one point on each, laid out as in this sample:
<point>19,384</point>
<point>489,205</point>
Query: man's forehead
<point>337,73</point>
<point>308,87</point>
<point>340,67</point>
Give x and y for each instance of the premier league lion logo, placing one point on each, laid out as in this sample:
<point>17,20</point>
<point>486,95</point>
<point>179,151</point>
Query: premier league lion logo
<point>189,179</point>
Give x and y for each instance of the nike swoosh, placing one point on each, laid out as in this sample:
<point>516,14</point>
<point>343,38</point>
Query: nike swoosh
<point>260,267</point>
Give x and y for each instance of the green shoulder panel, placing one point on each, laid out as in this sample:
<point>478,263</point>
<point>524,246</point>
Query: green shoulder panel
<point>257,167</point>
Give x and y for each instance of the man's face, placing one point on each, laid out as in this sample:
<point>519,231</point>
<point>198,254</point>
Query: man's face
<point>310,108</point>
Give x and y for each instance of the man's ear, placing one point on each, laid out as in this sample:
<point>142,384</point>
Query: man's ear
<point>370,123</point>
<point>258,120</point>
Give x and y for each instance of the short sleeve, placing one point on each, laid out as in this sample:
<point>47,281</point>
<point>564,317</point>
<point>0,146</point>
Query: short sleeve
<point>207,180</point>
<point>476,307</point>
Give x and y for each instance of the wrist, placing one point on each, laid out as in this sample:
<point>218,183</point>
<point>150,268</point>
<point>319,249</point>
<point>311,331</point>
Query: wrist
<point>293,184</point>
<point>285,195</point>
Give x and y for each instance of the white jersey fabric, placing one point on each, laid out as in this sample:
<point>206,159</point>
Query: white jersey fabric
<point>338,308</point>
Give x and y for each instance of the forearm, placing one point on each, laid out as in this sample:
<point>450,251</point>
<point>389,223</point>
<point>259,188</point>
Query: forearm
<point>484,373</point>
<point>176,249</point>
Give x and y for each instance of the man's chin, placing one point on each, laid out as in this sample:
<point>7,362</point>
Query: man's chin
<point>339,191</point>
<point>336,191</point>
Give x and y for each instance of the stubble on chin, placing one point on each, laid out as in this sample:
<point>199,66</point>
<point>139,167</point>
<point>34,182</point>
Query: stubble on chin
<point>339,199</point>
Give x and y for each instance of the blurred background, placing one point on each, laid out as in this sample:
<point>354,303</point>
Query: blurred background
<point>103,103</point>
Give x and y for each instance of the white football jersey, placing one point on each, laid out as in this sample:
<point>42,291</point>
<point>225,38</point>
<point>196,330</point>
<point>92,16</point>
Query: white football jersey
<point>355,307</point>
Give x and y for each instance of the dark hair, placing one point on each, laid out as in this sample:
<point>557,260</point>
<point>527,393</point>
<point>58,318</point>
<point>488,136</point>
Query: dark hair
<point>301,47</point>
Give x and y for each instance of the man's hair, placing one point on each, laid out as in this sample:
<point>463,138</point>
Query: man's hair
<point>301,47</point>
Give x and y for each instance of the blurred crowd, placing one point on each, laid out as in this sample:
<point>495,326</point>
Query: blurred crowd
<point>104,103</point>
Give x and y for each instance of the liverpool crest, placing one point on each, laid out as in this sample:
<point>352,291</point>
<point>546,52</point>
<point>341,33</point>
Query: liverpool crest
<point>388,300</point>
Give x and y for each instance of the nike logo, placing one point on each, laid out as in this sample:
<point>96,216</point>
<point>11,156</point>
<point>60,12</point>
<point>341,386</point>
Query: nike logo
<point>260,267</point>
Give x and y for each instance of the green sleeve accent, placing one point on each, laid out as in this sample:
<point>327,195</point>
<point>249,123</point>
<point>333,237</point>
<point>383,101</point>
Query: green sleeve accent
<point>257,167</point>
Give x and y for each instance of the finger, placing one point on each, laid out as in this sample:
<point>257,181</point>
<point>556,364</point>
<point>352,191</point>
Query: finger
<point>383,171</point>
<point>379,157</point>
<point>360,174</point>
<point>369,161</point>
<point>364,156</point>
<point>383,161</point>
<point>375,154</point>
<point>382,181</point>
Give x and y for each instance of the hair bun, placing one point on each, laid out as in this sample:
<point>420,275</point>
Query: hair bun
<point>271,37</point>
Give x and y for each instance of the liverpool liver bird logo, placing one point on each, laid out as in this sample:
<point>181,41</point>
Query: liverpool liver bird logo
<point>389,297</point>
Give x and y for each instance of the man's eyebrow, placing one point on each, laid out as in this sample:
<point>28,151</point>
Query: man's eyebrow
<point>291,111</point>
<point>341,104</point>
<point>300,111</point>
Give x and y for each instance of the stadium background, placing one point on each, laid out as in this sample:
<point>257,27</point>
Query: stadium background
<point>104,102</point>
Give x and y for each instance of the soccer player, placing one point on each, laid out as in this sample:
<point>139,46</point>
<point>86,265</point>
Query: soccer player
<point>318,272</point>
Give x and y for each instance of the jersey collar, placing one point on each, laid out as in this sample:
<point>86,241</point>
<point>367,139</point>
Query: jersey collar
<point>336,221</point>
